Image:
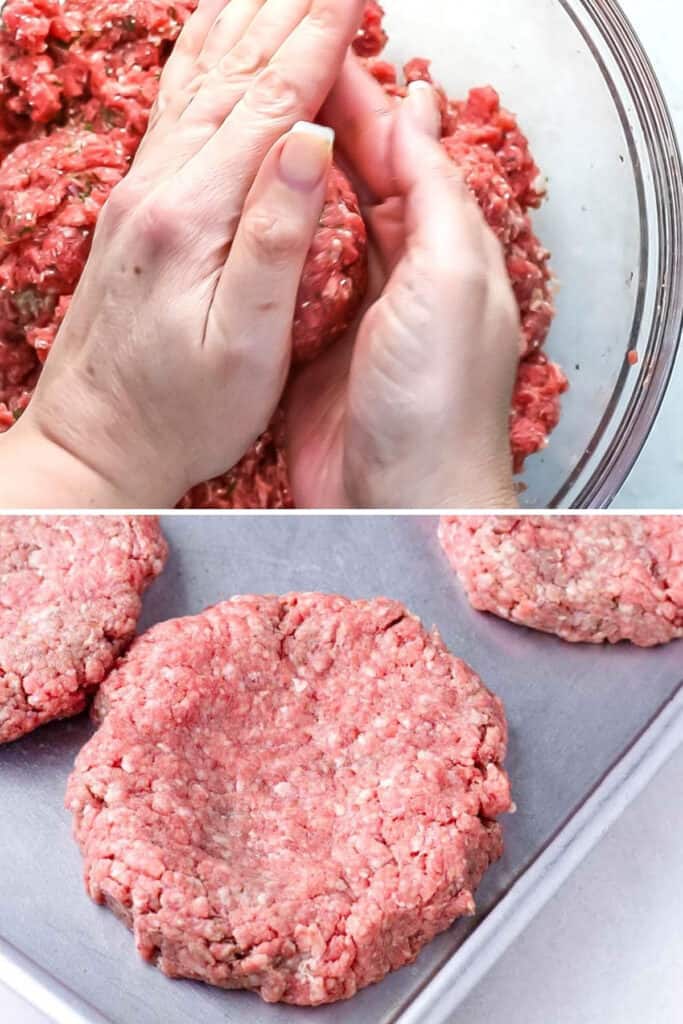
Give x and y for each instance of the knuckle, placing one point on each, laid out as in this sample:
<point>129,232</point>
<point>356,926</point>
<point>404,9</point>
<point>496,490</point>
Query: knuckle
<point>472,274</point>
<point>194,85</point>
<point>324,16</point>
<point>275,93</point>
<point>123,200</point>
<point>272,236</point>
<point>158,223</point>
<point>506,304</point>
<point>244,61</point>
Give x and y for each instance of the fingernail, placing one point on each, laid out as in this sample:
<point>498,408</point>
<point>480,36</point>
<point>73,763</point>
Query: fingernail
<point>424,108</point>
<point>306,154</point>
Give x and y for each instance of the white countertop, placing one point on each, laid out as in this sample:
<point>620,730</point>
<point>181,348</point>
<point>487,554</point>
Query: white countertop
<point>607,949</point>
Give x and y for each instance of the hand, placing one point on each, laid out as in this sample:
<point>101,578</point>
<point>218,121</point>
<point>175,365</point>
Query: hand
<point>415,411</point>
<point>176,347</point>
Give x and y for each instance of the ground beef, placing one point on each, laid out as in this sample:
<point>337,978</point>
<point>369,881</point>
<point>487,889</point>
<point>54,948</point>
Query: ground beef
<point>291,795</point>
<point>51,192</point>
<point>259,480</point>
<point>535,406</point>
<point>588,579</point>
<point>18,375</point>
<point>335,276</point>
<point>92,62</point>
<point>371,38</point>
<point>69,604</point>
<point>93,65</point>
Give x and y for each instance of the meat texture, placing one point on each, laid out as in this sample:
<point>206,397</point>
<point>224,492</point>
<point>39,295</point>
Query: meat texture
<point>291,795</point>
<point>587,579</point>
<point>77,81</point>
<point>69,605</point>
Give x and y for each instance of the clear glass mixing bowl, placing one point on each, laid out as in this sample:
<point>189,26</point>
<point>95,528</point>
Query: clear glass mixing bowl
<point>576,74</point>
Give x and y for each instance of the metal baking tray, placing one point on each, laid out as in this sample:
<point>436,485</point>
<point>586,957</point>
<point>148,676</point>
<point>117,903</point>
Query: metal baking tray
<point>588,727</point>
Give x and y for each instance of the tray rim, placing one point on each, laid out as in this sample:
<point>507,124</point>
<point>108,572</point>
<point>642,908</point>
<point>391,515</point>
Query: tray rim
<point>441,996</point>
<point>628,777</point>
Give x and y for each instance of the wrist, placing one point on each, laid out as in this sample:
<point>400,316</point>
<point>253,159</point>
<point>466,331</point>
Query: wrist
<point>38,472</point>
<point>489,485</point>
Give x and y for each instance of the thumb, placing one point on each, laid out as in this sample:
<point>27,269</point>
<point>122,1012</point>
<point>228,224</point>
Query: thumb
<point>421,109</point>
<point>441,217</point>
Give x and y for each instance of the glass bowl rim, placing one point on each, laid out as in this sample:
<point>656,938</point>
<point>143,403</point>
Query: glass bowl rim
<point>663,155</point>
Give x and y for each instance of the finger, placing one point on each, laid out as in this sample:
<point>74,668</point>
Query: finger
<point>181,65</point>
<point>256,295</point>
<point>205,88</point>
<point>229,65</point>
<point>275,20</point>
<point>386,228</point>
<point>442,218</point>
<point>180,72</point>
<point>362,115</point>
<point>291,89</point>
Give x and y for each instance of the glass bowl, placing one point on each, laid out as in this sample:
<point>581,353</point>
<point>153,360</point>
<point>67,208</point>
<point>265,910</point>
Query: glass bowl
<point>577,76</point>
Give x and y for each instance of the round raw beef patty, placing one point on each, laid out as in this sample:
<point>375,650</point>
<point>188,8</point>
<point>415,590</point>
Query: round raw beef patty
<point>587,579</point>
<point>291,795</point>
<point>70,591</point>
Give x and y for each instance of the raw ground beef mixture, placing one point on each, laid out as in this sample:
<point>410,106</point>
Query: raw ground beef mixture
<point>70,591</point>
<point>587,579</point>
<point>77,79</point>
<point>291,795</point>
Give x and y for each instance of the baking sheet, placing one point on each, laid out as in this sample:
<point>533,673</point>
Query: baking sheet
<point>573,711</point>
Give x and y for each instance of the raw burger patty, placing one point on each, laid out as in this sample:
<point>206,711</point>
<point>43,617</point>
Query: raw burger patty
<point>587,579</point>
<point>291,795</point>
<point>70,591</point>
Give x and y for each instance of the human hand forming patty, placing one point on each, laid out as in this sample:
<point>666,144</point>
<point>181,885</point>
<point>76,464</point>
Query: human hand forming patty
<point>178,340</point>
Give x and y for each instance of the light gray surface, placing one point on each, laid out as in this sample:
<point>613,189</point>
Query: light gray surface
<point>608,946</point>
<point>572,711</point>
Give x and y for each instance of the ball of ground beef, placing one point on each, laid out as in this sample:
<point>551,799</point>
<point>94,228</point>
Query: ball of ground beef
<point>97,66</point>
<point>535,406</point>
<point>526,259</point>
<point>51,192</point>
<point>335,275</point>
<point>70,602</point>
<point>290,795</point>
<point>590,579</point>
